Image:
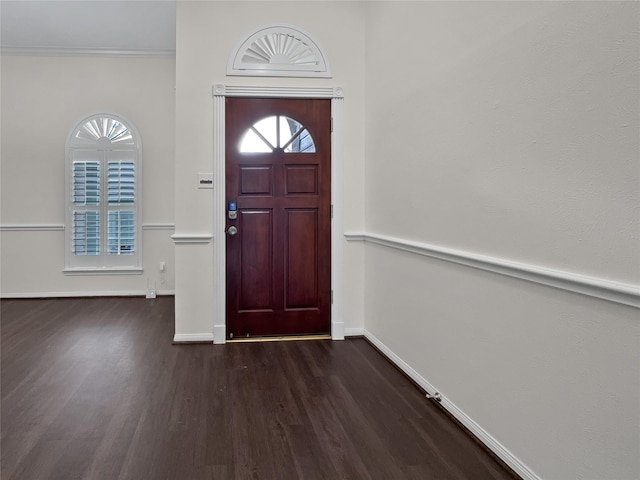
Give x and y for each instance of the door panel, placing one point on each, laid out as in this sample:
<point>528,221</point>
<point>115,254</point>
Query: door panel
<point>256,180</point>
<point>301,180</point>
<point>256,260</point>
<point>279,261</point>
<point>302,265</point>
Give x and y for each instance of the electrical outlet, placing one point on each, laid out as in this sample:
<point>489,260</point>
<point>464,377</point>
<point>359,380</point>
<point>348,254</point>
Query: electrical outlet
<point>151,288</point>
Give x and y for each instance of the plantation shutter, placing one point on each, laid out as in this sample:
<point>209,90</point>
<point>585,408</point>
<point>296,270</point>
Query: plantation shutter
<point>121,192</point>
<point>86,221</point>
<point>121,180</point>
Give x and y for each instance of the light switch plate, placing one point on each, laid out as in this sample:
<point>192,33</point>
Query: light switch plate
<point>205,180</point>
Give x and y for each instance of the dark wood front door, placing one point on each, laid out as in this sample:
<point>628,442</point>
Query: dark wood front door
<point>278,177</point>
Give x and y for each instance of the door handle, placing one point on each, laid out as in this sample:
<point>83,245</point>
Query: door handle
<point>232,230</point>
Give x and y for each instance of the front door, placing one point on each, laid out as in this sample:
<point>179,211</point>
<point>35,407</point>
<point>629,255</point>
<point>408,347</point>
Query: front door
<point>278,199</point>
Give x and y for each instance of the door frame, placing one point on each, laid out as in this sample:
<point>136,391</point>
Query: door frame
<point>220,93</point>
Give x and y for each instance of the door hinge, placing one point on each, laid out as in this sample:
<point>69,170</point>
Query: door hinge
<point>331,124</point>
<point>331,211</point>
<point>331,297</point>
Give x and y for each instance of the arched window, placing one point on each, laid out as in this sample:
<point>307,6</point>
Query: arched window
<point>277,133</point>
<point>103,201</point>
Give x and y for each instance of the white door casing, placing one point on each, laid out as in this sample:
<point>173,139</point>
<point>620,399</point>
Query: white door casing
<point>220,92</point>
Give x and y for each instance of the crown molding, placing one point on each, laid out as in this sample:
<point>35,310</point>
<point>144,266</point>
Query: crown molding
<point>84,52</point>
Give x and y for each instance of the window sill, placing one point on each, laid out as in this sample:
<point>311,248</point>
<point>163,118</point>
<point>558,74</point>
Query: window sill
<point>104,271</point>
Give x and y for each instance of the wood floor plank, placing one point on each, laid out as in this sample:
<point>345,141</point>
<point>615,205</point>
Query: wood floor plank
<point>93,389</point>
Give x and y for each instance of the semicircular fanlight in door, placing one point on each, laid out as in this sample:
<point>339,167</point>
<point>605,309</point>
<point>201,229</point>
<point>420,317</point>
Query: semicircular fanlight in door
<point>277,132</point>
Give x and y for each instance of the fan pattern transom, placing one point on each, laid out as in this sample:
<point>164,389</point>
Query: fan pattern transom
<point>103,129</point>
<point>279,50</point>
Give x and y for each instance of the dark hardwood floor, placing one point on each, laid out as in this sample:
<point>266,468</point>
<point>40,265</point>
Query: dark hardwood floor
<point>94,389</point>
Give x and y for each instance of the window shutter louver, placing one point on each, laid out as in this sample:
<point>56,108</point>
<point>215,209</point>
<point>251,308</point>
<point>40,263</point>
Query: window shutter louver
<point>86,232</point>
<point>121,191</point>
<point>121,232</point>
<point>86,223</point>
<point>86,183</point>
<point>121,181</point>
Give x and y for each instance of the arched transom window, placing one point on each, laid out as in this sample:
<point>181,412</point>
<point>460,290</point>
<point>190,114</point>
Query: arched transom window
<point>103,197</point>
<point>277,132</point>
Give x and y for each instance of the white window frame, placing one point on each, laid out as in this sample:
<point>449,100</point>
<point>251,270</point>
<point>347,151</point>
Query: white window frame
<point>103,150</point>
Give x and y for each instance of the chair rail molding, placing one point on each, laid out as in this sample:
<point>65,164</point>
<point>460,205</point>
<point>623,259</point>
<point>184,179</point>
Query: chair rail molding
<point>623,293</point>
<point>158,226</point>
<point>60,228</point>
<point>191,238</point>
<point>31,228</point>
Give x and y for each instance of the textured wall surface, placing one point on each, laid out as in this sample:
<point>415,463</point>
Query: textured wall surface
<point>510,129</point>
<point>207,33</point>
<point>42,99</point>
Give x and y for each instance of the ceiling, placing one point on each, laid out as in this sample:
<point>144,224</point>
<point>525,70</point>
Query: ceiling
<point>111,25</point>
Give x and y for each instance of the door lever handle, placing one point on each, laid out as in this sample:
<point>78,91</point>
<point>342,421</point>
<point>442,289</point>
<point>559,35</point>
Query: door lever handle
<point>232,230</point>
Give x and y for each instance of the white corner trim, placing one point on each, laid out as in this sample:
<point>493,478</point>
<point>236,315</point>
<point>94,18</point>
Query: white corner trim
<point>193,238</point>
<point>337,330</point>
<point>158,226</point>
<point>496,447</point>
<point>220,334</point>
<point>117,293</point>
<point>32,228</point>
<point>193,337</point>
<point>623,293</point>
<point>43,51</point>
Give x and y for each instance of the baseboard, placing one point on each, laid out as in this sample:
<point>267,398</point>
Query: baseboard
<point>220,334</point>
<point>354,332</point>
<point>109,293</point>
<point>480,433</point>
<point>193,337</point>
<point>337,330</point>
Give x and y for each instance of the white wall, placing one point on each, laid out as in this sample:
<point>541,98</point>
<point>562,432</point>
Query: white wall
<point>510,129</point>
<point>207,33</point>
<point>507,129</point>
<point>42,99</point>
